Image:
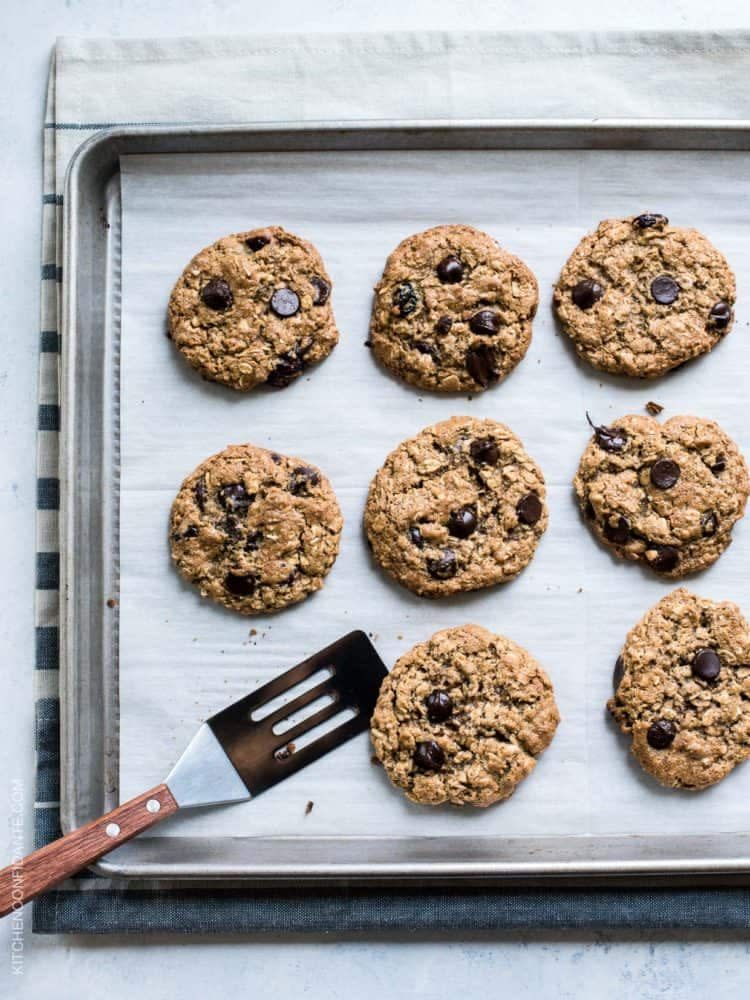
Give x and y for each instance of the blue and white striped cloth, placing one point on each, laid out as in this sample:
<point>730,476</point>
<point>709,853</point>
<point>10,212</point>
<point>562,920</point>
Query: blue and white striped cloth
<point>96,83</point>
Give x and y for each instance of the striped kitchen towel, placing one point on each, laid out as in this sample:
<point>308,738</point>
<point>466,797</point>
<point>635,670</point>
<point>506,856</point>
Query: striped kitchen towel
<point>97,83</point>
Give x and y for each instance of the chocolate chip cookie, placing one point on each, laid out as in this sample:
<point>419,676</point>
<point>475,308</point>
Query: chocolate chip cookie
<point>458,507</point>
<point>639,297</point>
<point>463,717</point>
<point>254,307</point>
<point>255,530</point>
<point>666,495</point>
<point>683,690</point>
<point>453,310</point>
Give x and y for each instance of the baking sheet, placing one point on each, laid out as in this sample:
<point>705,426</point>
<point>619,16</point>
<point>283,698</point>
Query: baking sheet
<point>181,658</point>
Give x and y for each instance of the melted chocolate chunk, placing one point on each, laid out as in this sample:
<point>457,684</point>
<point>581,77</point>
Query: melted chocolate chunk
<point>217,294</point>
<point>444,567</point>
<point>462,522</point>
<point>709,523</point>
<point>240,585</point>
<point>444,325</point>
<point>481,364</point>
<point>485,323</point>
<point>719,465</point>
<point>322,290</point>
<point>619,532</point>
<point>664,290</point>
<point>405,299</point>
<point>720,316</point>
<point>661,734</point>
<point>619,672</point>
<point>612,439</point>
<point>286,371</point>
<point>253,541</point>
<point>587,293</point>
<point>415,537</point>
<point>231,528</point>
<point>665,473</point>
<point>439,706</point>
<point>529,509</point>
<point>256,243</point>
<point>284,303</point>
<point>484,451</point>
<point>667,558</point>
<point>190,532</point>
<point>235,497</point>
<point>650,220</point>
<point>428,756</point>
<point>302,479</point>
<point>450,270</point>
<point>424,348</point>
<point>200,494</point>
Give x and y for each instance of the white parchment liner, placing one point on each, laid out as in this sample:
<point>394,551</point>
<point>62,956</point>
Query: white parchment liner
<point>182,658</point>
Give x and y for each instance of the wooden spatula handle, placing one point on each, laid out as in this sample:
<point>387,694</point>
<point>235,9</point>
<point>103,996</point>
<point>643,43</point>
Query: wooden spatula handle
<point>51,864</point>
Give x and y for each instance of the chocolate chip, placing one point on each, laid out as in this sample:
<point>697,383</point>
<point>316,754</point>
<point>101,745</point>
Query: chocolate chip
<point>529,509</point>
<point>256,243</point>
<point>709,523</point>
<point>253,541</point>
<point>284,303</point>
<point>481,364</point>
<point>719,465</point>
<point>428,756</point>
<point>485,451</point>
<point>231,528</point>
<point>444,324</point>
<point>706,665</point>
<point>450,270</point>
<point>235,497</point>
<point>485,323</point>
<point>609,438</point>
<point>200,494</point>
<point>415,537</point>
<point>462,522</point>
<point>650,220</point>
<point>405,298</point>
<point>667,557</point>
<point>721,315</point>
<point>587,293</point>
<point>619,532</point>
<point>661,734</point>
<point>589,513</point>
<point>665,473</point>
<point>286,371</point>
<point>217,295</point>
<point>424,348</point>
<point>619,672</point>
<point>444,567</point>
<point>664,290</point>
<point>240,585</point>
<point>439,706</point>
<point>322,290</point>
<point>190,532</point>
<point>302,478</point>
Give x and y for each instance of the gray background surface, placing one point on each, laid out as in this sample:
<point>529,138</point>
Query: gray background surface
<point>635,964</point>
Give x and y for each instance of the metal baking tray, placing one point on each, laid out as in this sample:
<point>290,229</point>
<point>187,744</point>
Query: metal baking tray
<point>90,531</point>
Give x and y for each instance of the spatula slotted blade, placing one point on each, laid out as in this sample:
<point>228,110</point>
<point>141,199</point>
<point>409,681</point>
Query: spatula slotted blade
<point>237,754</point>
<point>231,758</point>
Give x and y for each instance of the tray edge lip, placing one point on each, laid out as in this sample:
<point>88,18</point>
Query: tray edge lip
<point>109,135</point>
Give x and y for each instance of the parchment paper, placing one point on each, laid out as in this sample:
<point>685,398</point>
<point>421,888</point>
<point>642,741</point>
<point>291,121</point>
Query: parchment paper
<point>182,658</point>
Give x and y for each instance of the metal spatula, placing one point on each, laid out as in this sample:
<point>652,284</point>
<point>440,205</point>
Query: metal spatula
<point>235,755</point>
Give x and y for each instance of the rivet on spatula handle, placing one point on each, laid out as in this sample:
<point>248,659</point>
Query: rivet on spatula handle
<point>59,860</point>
